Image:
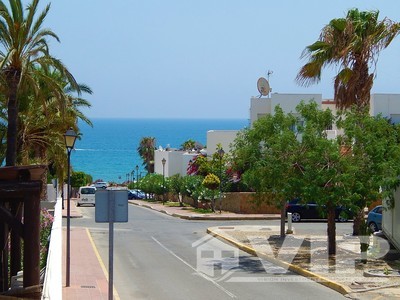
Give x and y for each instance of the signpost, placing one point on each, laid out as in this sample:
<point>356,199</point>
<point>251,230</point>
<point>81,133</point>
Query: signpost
<point>111,207</point>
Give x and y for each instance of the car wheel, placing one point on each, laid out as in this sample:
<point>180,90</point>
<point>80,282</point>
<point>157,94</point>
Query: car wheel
<point>296,217</point>
<point>373,227</point>
<point>78,204</point>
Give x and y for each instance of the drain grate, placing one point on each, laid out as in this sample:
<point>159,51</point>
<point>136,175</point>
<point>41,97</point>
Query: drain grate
<point>88,287</point>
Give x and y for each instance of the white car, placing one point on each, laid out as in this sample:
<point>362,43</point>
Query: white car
<point>86,195</point>
<point>101,185</point>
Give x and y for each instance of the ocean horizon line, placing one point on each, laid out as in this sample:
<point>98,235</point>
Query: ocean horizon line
<point>163,118</point>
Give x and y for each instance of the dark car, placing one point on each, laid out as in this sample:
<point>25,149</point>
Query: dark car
<point>136,194</point>
<point>374,219</point>
<point>311,210</point>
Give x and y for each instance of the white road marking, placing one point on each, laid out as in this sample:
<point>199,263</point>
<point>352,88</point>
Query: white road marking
<point>198,273</point>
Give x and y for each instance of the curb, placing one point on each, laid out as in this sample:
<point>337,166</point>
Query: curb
<point>342,289</point>
<point>206,218</point>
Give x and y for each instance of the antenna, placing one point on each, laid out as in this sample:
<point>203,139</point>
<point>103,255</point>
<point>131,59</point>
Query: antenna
<point>269,72</point>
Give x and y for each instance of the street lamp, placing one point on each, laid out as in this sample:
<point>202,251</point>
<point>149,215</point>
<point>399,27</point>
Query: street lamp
<point>137,176</point>
<point>70,138</point>
<point>133,177</point>
<point>163,161</point>
<point>221,153</point>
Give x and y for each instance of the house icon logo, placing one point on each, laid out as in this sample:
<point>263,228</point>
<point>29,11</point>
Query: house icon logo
<point>215,259</point>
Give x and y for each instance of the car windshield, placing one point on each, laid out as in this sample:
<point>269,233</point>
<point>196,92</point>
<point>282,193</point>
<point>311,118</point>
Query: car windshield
<point>86,191</point>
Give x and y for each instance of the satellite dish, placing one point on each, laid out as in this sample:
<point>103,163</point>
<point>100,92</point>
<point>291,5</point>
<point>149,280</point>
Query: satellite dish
<point>263,86</point>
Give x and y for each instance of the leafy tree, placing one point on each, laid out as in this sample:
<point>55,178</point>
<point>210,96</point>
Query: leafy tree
<point>146,151</point>
<point>353,44</point>
<point>153,184</point>
<point>374,154</point>
<point>79,178</point>
<point>24,48</point>
<point>324,167</point>
<point>267,155</point>
<point>192,187</point>
<point>176,186</point>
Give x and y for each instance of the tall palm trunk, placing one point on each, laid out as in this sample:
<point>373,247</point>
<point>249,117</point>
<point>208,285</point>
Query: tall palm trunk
<point>12,76</point>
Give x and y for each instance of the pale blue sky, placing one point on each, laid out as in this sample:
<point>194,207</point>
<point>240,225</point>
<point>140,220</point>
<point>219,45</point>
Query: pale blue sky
<point>188,59</point>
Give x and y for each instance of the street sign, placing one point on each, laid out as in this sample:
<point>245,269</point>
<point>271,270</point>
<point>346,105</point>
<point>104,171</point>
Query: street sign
<point>105,211</point>
<point>111,207</point>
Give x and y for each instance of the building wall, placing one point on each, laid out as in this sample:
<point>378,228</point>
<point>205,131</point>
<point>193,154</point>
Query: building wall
<point>241,203</point>
<point>260,107</point>
<point>223,137</point>
<point>176,161</point>
<point>386,104</point>
<point>288,102</point>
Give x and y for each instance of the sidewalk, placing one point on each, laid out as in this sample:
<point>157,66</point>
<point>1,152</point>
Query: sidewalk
<point>88,279</point>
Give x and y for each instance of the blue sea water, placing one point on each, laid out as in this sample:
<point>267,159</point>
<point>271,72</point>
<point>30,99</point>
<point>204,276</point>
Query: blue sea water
<point>108,150</point>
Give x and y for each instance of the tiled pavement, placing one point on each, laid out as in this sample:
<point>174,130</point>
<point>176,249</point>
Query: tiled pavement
<point>88,275</point>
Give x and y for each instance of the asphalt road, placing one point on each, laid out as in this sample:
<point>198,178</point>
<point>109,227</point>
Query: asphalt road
<point>161,257</point>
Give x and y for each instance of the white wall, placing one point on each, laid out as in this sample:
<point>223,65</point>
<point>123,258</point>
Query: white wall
<point>261,106</point>
<point>387,104</point>
<point>223,137</point>
<point>175,162</point>
<point>288,102</point>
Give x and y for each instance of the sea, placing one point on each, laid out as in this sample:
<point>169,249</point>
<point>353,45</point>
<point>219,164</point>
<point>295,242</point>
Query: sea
<point>108,150</point>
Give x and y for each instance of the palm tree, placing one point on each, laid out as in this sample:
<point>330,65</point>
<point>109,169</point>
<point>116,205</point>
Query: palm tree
<point>44,118</point>
<point>353,44</point>
<point>146,151</point>
<point>24,48</point>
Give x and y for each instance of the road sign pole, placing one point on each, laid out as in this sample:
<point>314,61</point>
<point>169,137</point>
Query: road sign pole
<point>111,213</point>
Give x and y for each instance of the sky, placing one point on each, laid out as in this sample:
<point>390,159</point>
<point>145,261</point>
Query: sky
<point>198,59</point>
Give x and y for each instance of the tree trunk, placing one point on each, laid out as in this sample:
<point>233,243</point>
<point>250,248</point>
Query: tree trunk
<point>331,230</point>
<point>358,219</point>
<point>12,111</point>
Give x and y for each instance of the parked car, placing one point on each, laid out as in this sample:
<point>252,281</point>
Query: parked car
<point>101,185</point>
<point>86,195</point>
<point>374,219</point>
<point>136,194</point>
<point>310,210</point>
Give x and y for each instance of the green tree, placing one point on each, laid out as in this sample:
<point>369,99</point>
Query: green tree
<point>324,167</point>
<point>192,187</point>
<point>267,154</point>
<point>24,48</point>
<point>353,45</point>
<point>79,178</point>
<point>146,151</point>
<point>176,186</point>
<point>373,149</point>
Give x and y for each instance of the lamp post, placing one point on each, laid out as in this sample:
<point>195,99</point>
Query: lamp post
<point>163,161</point>
<point>133,177</point>
<point>137,176</point>
<point>70,138</point>
<point>221,153</point>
